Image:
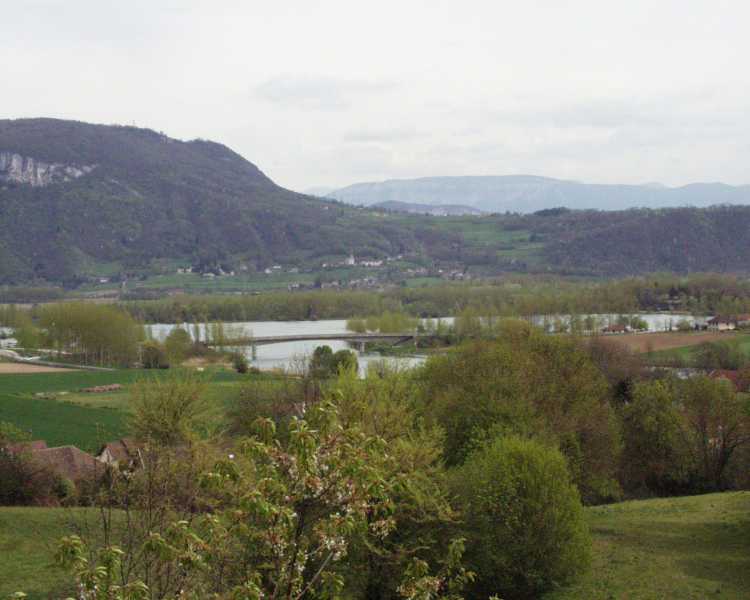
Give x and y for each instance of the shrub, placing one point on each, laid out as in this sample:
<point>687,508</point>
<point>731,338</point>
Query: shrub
<point>24,482</point>
<point>239,362</point>
<point>356,325</point>
<point>524,520</point>
<point>527,384</point>
<point>325,363</point>
<point>655,457</point>
<point>170,410</point>
<point>177,345</point>
<point>153,355</point>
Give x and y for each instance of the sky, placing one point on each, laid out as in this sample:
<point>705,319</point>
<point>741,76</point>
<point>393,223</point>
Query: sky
<point>329,93</point>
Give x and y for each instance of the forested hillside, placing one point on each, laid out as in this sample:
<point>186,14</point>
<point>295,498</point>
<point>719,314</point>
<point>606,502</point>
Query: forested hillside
<point>641,241</point>
<point>73,194</point>
<point>77,200</point>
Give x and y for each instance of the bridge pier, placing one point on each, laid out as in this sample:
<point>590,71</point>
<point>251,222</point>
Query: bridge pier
<point>254,352</point>
<point>361,347</point>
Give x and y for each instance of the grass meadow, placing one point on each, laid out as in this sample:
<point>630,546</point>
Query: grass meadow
<point>52,407</point>
<point>686,548</point>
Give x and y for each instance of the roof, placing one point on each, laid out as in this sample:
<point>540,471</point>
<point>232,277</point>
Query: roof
<point>720,319</point>
<point>732,376</point>
<point>615,327</point>
<point>119,450</point>
<point>20,447</point>
<point>67,461</point>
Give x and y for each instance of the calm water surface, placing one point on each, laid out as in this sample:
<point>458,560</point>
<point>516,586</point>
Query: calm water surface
<point>289,355</point>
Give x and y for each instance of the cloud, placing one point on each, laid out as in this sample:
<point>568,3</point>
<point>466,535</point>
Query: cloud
<point>382,136</point>
<point>318,93</point>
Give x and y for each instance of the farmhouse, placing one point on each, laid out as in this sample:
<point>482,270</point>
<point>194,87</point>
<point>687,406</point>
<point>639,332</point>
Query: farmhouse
<point>616,328</point>
<point>30,447</point>
<point>120,453</point>
<point>67,461</point>
<point>722,323</point>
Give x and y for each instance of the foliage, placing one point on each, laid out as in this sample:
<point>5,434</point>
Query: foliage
<point>93,334</point>
<point>168,411</point>
<point>657,548</point>
<point>524,520</point>
<point>24,482</point>
<point>26,333</point>
<point>655,457</point>
<point>239,362</point>
<point>327,363</point>
<point>719,355</point>
<point>278,399</point>
<point>621,367</point>
<point>177,345</point>
<point>153,355</point>
<point>385,405</point>
<point>684,437</point>
<point>532,385</point>
<point>9,433</point>
<point>281,519</point>
<point>717,426</point>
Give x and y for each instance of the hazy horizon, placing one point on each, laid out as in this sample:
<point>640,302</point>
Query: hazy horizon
<point>334,94</point>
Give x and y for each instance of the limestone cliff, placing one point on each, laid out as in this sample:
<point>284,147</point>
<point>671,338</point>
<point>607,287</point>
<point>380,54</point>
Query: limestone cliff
<point>15,168</point>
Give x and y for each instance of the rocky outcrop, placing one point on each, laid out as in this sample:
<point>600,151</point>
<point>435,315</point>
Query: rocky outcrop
<point>15,168</point>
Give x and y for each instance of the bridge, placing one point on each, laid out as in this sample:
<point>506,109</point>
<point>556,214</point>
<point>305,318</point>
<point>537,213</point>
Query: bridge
<point>355,338</point>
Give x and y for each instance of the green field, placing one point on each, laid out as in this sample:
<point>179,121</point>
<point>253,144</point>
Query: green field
<point>28,540</point>
<point>65,415</point>
<point>674,548</point>
<point>481,230</point>
<point>678,548</point>
<point>686,355</point>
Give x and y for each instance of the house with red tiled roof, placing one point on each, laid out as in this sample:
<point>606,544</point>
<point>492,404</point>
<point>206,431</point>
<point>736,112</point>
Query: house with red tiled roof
<point>616,328</point>
<point>732,376</point>
<point>119,453</point>
<point>68,461</point>
<point>30,447</point>
<point>722,323</point>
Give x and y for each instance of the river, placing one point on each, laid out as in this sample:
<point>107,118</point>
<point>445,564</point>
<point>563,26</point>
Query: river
<point>290,355</point>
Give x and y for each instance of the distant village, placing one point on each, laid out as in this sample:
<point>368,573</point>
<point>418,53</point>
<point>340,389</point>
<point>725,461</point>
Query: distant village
<point>377,280</point>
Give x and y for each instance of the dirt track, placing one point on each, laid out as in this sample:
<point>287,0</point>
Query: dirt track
<point>20,368</point>
<point>647,342</point>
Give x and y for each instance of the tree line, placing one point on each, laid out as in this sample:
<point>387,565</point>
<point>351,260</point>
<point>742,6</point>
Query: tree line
<point>517,296</point>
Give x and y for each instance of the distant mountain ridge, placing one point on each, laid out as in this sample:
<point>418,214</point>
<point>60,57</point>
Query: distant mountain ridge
<point>438,210</point>
<point>530,193</point>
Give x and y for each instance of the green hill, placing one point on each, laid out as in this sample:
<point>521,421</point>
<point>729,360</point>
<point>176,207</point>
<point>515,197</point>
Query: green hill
<point>78,201</point>
<point>74,194</point>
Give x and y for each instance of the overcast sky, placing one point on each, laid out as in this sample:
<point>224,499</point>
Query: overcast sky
<point>327,93</point>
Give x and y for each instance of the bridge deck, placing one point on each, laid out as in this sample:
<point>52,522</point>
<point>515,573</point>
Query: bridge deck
<point>312,337</point>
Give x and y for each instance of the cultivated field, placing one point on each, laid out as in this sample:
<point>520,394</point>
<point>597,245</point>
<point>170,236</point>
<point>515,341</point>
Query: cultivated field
<point>52,406</point>
<point>653,342</point>
<point>21,368</point>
